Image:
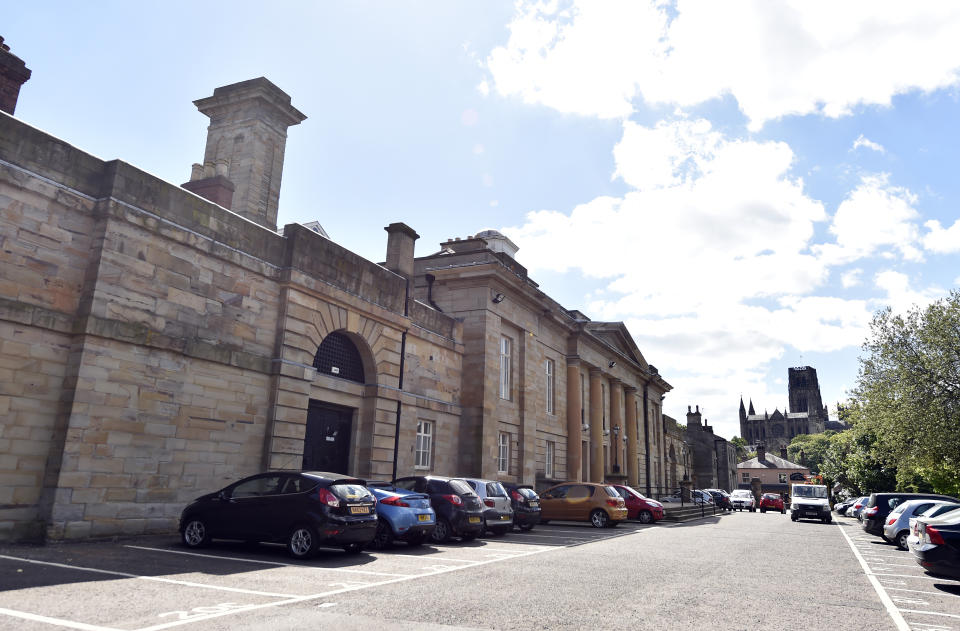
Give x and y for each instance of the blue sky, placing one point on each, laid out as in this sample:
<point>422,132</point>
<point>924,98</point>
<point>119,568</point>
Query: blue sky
<point>744,185</point>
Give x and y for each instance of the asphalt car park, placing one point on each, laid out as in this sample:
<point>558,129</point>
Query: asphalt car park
<point>914,598</point>
<point>157,583</point>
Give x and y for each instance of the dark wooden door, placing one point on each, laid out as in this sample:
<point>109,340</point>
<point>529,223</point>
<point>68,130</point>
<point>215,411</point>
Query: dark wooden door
<point>326,446</point>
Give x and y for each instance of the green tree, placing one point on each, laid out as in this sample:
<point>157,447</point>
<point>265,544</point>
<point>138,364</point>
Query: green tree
<point>907,397</point>
<point>855,461</point>
<point>813,448</point>
<point>741,446</point>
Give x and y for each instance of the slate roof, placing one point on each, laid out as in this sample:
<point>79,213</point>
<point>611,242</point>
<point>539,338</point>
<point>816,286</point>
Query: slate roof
<point>769,462</point>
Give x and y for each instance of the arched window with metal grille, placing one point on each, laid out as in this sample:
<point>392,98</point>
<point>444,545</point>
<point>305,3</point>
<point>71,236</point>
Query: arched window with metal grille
<point>338,357</point>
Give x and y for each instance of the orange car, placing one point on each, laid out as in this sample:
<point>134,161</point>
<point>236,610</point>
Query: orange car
<point>600,504</point>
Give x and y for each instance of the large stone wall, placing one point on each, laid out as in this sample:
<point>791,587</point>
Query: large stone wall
<point>155,346</point>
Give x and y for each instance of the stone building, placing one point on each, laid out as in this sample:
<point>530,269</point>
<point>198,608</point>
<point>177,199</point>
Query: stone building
<point>806,413</point>
<point>547,393</point>
<point>776,474</point>
<point>677,454</point>
<point>158,342</point>
<point>714,458</point>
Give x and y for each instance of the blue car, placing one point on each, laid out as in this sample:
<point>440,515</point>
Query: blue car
<point>403,515</point>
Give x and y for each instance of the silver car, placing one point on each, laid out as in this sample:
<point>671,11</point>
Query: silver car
<point>937,510</point>
<point>497,508</point>
<point>743,498</point>
<point>896,528</point>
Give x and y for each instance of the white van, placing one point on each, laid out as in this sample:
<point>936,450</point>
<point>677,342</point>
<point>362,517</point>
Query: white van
<point>810,501</point>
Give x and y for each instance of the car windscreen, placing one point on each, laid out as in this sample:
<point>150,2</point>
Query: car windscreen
<point>351,492</point>
<point>810,491</point>
<point>742,493</point>
<point>770,496</point>
<point>495,489</point>
<point>460,487</point>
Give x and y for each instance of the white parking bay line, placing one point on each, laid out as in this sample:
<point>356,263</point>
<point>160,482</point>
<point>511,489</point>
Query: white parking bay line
<point>262,562</point>
<point>424,557</point>
<point>931,613</point>
<point>920,591</point>
<point>147,578</point>
<point>70,624</point>
<point>884,597</point>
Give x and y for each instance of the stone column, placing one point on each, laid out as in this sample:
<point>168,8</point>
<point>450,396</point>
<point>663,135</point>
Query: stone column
<point>596,426</point>
<point>630,404</point>
<point>574,459</point>
<point>616,425</point>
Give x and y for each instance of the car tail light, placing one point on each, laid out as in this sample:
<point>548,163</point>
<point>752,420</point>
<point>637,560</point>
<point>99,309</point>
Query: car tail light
<point>934,536</point>
<point>871,512</point>
<point>612,502</point>
<point>516,496</point>
<point>394,500</point>
<point>328,498</point>
<point>489,502</point>
<point>454,499</point>
<point>891,520</point>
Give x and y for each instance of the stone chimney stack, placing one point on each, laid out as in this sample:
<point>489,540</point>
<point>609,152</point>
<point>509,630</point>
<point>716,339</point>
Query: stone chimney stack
<point>761,453</point>
<point>400,247</point>
<point>783,452</point>
<point>13,74</point>
<point>246,141</point>
<point>693,418</point>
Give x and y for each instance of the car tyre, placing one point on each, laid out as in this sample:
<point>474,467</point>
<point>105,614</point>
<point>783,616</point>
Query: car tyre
<point>442,531</point>
<point>901,539</point>
<point>793,517</point>
<point>384,536</point>
<point>195,534</point>
<point>783,511</point>
<point>762,509</point>
<point>302,542</point>
<point>645,517</point>
<point>599,518</point>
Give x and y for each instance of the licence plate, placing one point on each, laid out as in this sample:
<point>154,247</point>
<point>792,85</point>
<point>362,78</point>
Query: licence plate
<point>534,504</point>
<point>474,520</point>
<point>504,517</point>
<point>423,517</point>
<point>360,510</point>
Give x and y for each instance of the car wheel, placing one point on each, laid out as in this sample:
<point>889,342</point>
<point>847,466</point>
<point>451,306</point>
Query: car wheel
<point>302,543</point>
<point>442,531</point>
<point>353,548</point>
<point>599,518</point>
<point>829,519</point>
<point>384,536</point>
<point>645,517</point>
<point>902,539</point>
<point>195,534</point>
<point>783,511</point>
<point>763,510</point>
<point>793,517</point>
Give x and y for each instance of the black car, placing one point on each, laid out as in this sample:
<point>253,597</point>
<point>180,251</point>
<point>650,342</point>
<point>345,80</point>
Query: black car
<point>526,504</point>
<point>721,499</point>
<point>880,504</point>
<point>459,511</point>
<point>302,509</point>
<point>938,550</point>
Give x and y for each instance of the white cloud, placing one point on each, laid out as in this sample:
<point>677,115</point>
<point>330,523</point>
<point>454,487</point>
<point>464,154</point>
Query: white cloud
<point>875,218</point>
<point>775,58</point>
<point>494,203</point>
<point>851,278</point>
<point>863,141</point>
<point>487,180</point>
<point>942,240</point>
<point>478,149</point>
<point>901,296</point>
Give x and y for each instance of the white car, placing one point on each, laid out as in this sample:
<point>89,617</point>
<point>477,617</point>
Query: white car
<point>743,498</point>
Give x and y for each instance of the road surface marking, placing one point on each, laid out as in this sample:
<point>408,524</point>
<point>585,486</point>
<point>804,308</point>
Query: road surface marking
<point>148,578</point>
<point>57,621</point>
<point>895,614</point>
<point>920,591</point>
<point>262,562</point>
<point>427,557</point>
<point>931,613</point>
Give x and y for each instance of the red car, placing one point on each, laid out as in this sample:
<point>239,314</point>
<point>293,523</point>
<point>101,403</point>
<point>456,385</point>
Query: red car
<point>639,507</point>
<point>772,501</point>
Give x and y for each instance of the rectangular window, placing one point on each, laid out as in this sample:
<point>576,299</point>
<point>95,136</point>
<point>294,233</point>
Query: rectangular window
<point>548,463</point>
<point>745,478</point>
<point>783,478</point>
<point>603,404</point>
<point>550,386</point>
<point>505,372</point>
<point>583,400</point>
<point>503,454</point>
<point>424,445</point>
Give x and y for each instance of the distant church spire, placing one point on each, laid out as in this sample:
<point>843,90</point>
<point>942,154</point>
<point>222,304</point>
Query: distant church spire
<point>750,411</point>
